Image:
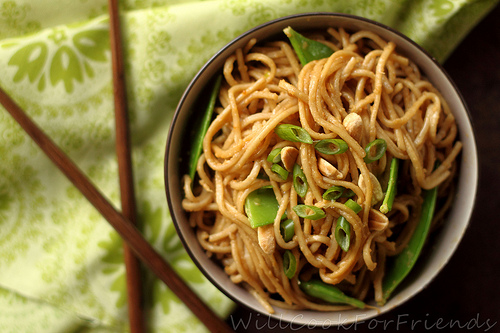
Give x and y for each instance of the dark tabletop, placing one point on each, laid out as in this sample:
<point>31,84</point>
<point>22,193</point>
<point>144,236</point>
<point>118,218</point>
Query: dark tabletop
<point>466,293</point>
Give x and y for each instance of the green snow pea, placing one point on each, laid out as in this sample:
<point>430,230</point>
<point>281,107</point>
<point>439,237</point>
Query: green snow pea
<point>307,49</point>
<point>197,145</point>
<point>329,293</point>
<point>261,207</point>
<point>402,264</point>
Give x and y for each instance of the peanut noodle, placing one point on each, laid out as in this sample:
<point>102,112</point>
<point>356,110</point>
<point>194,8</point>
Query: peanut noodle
<point>363,91</point>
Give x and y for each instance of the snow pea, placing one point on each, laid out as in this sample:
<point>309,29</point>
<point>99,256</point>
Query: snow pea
<point>261,207</point>
<point>402,264</point>
<point>197,144</point>
<point>329,293</point>
<point>390,193</point>
<point>307,49</point>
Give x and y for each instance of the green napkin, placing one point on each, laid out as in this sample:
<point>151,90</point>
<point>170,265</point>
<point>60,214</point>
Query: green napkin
<point>61,266</point>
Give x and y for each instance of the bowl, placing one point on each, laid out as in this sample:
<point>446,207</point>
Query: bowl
<point>443,242</point>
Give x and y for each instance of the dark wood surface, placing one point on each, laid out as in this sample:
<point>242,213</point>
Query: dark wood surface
<point>467,291</point>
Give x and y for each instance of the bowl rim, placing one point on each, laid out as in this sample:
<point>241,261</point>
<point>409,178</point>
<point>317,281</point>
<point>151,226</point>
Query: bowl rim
<point>219,285</point>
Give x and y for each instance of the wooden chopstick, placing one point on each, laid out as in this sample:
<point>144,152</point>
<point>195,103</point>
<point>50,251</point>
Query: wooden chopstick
<point>127,192</point>
<point>130,234</point>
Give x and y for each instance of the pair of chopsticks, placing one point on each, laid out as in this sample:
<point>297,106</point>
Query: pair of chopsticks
<point>136,247</point>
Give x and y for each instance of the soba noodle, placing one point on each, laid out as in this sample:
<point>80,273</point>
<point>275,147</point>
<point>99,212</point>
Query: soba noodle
<point>365,90</point>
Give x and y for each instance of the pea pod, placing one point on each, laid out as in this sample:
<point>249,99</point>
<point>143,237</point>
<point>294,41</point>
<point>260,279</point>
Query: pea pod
<point>329,293</point>
<point>197,145</point>
<point>402,264</point>
<point>390,193</point>
<point>261,207</point>
<point>307,49</point>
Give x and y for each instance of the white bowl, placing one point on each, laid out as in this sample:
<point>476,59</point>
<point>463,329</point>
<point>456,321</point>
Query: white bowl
<point>443,243</point>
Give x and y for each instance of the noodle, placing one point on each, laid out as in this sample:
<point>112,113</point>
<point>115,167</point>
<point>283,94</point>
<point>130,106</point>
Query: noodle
<point>362,92</point>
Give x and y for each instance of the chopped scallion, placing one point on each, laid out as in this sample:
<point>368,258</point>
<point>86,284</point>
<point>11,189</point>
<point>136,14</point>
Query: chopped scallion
<point>333,193</point>
<point>289,264</point>
<point>274,156</point>
<point>343,228</point>
<point>279,170</point>
<point>287,230</point>
<point>353,205</point>
<point>375,150</point>
<point>343,233</point>
<point>293,133</point>
<point>299,181</point>
<point>348,193</point>
<point>304,211</point>
<point>331,146</point>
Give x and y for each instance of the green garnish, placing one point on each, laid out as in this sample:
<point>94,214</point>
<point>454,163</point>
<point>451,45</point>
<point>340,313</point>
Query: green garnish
<point>293,133</point>
<point>289,264</point>
<point>333,193</point>
<point>279,170</point>
<point>331,146</point>
<point>287,230</point>
<point>343,228</point>
<point>375,150</point>
<point>299,181</point>
<point>304,211</point>
<point>275,155</point>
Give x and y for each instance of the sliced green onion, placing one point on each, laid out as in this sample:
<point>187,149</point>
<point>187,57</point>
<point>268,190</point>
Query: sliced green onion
<point>343,228</point>
<point>261,207</point>
<point>289,264</point>
<point>307,49</point>
<point>303,211</point>
<point>299,181</point>
<point>353,205</point>
<point>274,156</point>
<point>390,193</point>
<point>279,170</point>
<point>333,193</point>
<point>293,133</point>
<point>379,145</point>
<point>329,293</point>
<point>348,193</point>
<point>287,230</point>
<point>331,146</point>
<point>343,233</point>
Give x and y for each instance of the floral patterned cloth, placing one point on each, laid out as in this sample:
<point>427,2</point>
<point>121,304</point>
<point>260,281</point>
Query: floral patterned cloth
<point>61,266</point>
